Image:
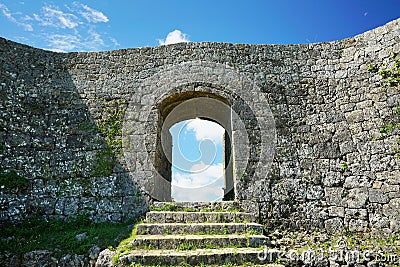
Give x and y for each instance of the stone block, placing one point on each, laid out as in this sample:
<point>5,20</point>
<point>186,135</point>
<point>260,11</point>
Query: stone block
<point>356,181</point>
<point>354,116</point>
<point>357,225</point>
<point>71,206</point>
<point>334,211</point>
<point>378,196</point>
<point>357,198</point>
<point>334,196</point>
<point>333,179</point>
<point>334,225</point>
<point>356,213</point>
<point>392,209</point>
<point>378,221</point>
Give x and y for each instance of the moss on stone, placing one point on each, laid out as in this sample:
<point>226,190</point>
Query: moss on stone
<point>391,124</point>
<point>12,181</point>
<point>104,163</point>
<point>110,127</point>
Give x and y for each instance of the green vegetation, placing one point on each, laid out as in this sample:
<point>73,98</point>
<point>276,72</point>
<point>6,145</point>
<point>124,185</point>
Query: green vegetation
<point>186,245</point>
<point>391,124</point>
<point>166,207</point>
<point>391,75</point>
<point>229,209</point>
<point>189,209</point>
<point>172,207</point>
<point>345,167</point>
<point>60,236</point>
<point>110,127</point>
<point>12,181</point>
<point>372,68</point>
<point>252,232</point>
<point>388,128</point>
<point>185,264</point>
<point>104,163</point>
<point>125,246</point>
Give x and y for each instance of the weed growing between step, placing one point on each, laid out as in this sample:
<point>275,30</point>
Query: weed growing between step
<point>225,233</point>
<point>167,207</point>
<point>125,246</point>
<point>184,264</point>
<point>172,207</point>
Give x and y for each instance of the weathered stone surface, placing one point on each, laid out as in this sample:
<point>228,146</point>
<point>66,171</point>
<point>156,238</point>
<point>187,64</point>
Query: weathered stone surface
<point>378,196</point>
<point>334,225</point>
<point>334,196</point>
<point>357,198</point>
<point>392,209</point>
<point>358,225</point>
<point>105,258</point>
<point>39,258</point>
<point>336,211</point>
<point>73,261</point>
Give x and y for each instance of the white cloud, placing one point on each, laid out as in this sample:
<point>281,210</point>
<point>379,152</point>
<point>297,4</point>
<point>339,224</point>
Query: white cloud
<point>20,22</point>
<point>197,194</point>
<point>204,183</point>
<point>205,129</point>
<point>94,41</point>
<point>6,12</point>
<point>71,42</point>
<point>174,37</point>
<point>54,17</point>
<point>114,41</point>
<point>63,42</point>
<point>90,14</point>
<point>199,175</point>
<point>70,27</point>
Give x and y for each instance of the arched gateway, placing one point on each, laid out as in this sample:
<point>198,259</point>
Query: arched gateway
<point>213,92</point>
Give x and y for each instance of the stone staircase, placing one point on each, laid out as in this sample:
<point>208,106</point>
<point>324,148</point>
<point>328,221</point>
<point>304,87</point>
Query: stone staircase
<point>197,234</point>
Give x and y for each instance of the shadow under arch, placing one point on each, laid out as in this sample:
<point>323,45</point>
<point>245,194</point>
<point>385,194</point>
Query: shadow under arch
<point>206,101</point>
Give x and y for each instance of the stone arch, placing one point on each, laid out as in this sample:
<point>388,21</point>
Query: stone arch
<point>253,127</point>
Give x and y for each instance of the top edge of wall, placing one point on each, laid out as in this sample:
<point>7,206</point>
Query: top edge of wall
<point>388,27</point>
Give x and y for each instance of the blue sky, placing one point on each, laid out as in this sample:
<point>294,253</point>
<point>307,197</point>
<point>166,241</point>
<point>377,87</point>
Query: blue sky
<point>197,158</point>
<point>88,25</point>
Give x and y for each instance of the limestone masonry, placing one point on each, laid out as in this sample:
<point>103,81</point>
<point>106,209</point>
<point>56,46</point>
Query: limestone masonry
<point>309,136</point>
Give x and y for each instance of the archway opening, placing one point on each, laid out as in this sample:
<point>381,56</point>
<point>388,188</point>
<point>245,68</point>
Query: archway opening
<point>184,112</point>
<point>198,160</point>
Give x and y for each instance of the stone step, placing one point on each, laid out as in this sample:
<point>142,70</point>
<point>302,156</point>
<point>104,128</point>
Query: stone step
<point>193,234</point>
<point>231,256</point>
<point>232,206</point>
<point>198,228</point>
<point>198,217</point>
<point>190,242</point>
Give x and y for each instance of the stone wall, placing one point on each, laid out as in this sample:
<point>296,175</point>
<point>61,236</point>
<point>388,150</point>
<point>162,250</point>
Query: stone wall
<point>80,129</point>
